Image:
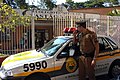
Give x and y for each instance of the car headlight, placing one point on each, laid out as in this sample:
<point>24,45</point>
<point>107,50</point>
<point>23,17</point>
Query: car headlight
<point>8,73</point>
<point>4,73</point>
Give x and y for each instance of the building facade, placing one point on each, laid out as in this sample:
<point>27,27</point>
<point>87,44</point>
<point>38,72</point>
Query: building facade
<point>46,25</point>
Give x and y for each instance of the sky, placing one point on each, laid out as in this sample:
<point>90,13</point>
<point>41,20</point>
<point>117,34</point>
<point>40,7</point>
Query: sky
<point>63,1</point>
<point>58,1</point>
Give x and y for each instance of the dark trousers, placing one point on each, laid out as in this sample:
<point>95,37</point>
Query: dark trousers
<point>85,68</point>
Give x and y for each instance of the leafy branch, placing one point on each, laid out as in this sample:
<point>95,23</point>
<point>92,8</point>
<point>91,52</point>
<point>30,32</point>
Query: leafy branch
<point>9,18</point>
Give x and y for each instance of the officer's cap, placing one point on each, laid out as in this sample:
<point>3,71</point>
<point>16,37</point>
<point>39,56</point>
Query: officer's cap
<point>81,24</point>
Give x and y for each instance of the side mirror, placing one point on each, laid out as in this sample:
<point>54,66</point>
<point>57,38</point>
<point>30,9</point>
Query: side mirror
<point>71,52</point>
<point>63,55</point>
<point>108,47</point>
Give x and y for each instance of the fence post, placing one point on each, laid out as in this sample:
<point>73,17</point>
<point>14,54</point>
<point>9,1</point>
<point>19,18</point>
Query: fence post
<point>108,25</point>
<point>71,20</point>
<point>33,30</point>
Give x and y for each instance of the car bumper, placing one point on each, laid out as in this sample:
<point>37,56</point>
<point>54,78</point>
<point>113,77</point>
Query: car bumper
<point>4,76</point>
<point>12,78</point>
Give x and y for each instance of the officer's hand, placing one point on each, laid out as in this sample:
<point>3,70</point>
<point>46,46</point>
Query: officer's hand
<point>93,63</point>
<point>75,32</point>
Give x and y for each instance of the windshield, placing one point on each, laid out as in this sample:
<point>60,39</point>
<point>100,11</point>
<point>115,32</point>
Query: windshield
<point>53,46</point>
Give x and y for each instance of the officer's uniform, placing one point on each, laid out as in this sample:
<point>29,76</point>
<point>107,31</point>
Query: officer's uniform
<point>87,47</point>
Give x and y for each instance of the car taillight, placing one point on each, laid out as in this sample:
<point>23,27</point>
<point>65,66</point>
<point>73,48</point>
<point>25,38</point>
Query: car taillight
<point>69,30</point>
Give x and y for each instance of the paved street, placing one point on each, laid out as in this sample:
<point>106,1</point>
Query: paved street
<point>104,77</point>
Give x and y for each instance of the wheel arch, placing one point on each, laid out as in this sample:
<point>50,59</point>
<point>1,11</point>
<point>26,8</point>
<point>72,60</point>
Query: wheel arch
<point>38,73</point>
<point>114,62</point>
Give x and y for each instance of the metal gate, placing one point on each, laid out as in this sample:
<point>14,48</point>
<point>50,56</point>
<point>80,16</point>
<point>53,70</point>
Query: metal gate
<point>61,19</point>
<point>106,25</point>
<point>17,40</point>
<point>23,38</point>
<point>64,19</point>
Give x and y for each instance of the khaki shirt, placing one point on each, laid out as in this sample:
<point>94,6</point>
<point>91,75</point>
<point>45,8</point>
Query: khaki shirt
<point>87,41</point>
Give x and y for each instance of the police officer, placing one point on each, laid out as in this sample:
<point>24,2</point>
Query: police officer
<point>89,47</point>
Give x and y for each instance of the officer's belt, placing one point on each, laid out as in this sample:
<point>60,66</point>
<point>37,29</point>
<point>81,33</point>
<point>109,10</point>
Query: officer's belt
<point>88,54</point>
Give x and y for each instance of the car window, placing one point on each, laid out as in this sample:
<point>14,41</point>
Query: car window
<point>67,47</point>
<point>114,46</point>
<point>103,45</point>
<point>53,46</point>
<point>65,51</point>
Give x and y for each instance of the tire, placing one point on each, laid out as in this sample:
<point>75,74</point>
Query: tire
<point>37,76</point>
<point>114,70</point>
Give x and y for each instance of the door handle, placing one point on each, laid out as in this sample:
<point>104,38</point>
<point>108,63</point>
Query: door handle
<point>57,59</point>
<point>111,54</point>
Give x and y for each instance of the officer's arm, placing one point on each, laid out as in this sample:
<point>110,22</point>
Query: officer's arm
<point>75,37</point>
<point>96,44</point>
<point>96,50</point>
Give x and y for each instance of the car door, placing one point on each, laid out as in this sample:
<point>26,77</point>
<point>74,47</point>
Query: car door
<point>103,60</point>
<point>68,64</point>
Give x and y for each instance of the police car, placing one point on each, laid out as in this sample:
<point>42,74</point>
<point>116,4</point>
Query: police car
<point>57,60</point>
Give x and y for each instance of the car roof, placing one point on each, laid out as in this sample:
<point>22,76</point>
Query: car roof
<point>65,37</point>
<point>72,36</point>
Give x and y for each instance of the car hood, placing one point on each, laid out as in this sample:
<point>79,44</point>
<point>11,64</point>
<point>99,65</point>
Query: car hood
<point>23,57</point>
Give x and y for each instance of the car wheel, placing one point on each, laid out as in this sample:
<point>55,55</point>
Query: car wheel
<point>37,76</point>
<point>114,71</point>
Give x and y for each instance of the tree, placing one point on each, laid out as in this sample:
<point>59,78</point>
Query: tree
<point>50,4</point>
<point>70,4</point>
<point>114,12</point>
<point>42,4</point>
<point>91,3</point>
<point>46,4</point>
<point>22,4</point>
<point>94,3</point>
<point>88,4</point>
<point>11,3</point>
<point>115,2</point>
<point>10,18</point>
<point>16,3</point>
